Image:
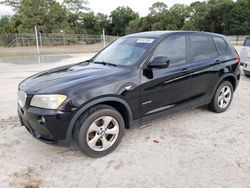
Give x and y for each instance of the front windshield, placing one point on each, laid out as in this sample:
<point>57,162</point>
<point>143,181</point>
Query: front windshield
<point>247,43</point>
<point>124,51</point>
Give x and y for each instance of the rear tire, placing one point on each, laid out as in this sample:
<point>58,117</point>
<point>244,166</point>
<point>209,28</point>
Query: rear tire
<point>222,97</point>
<point>99,130</point>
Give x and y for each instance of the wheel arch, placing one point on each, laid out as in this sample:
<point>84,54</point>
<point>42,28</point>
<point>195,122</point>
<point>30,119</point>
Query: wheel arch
<point>116,102</point>
<point>228,77</point>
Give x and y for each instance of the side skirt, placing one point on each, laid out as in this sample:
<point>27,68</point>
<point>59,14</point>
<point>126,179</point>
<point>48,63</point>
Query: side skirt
<point>193,104</point>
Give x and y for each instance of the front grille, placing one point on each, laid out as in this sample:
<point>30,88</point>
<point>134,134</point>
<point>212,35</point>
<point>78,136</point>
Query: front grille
<point>22,96</point>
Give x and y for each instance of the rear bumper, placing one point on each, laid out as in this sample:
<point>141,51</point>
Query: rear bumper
<point>48,126</point>
<point>245,65</point>
<point>246,72</point>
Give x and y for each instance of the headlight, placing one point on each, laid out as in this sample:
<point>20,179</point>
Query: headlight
<point>21,98</point>
<point>48,101</point>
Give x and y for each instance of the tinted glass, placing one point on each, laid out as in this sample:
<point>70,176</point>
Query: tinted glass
<point>221,45</point>
<point>124,51</point>
<point>213,50</point>
<point>173,47</point>
<point>200,47</point>
<point>247,42</point>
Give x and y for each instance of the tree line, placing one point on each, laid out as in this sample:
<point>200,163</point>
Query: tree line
<point>73,16</point>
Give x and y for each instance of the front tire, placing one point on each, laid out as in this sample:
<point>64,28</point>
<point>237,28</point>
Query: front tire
<point>99,130</point>
<point>222,98</point>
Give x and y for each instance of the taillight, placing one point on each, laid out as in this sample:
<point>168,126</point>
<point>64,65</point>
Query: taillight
<point>238,59</point>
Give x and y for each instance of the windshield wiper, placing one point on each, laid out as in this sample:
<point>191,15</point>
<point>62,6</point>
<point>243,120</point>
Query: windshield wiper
<point>104,63</point>
<point>86,61</point>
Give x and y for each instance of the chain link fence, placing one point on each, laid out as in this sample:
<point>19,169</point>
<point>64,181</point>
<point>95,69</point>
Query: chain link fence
<point>237,40</point>
<point>62,43</point>
<point>62,39</point>
<point>51,43</point>
<point>51,39</point>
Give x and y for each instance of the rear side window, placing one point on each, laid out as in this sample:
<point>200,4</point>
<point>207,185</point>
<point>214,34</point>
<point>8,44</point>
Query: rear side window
<point>200,47</point>
<point>213,50</point>
<point>247,42</point>
<point>220,45</point>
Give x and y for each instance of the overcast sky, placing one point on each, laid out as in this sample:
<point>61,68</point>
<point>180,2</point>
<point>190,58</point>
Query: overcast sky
<point>106,6</point>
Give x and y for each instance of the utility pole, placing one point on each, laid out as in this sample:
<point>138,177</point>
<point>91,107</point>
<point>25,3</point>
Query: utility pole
<point>41,39</point>
<point>16,40</point>
<point>104,38</point>
<point>37,43</point>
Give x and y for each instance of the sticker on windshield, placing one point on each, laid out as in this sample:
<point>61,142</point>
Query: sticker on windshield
<point>148,41</point>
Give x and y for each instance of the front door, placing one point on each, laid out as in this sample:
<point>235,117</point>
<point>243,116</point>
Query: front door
<point>166,88</point>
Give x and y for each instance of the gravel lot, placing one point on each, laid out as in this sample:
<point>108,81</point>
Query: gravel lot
<point>192,148</point>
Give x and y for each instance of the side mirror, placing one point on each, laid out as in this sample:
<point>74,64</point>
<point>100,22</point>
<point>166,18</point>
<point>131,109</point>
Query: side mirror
<point>159,62</point>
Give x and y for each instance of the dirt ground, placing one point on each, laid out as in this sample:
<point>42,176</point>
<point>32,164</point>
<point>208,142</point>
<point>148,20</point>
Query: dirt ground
<point>192,148</point>
<point>17,51</point>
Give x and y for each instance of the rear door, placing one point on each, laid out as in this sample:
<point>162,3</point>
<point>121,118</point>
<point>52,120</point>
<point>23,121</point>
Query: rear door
<point>204,60</point>
<point>163,89</point>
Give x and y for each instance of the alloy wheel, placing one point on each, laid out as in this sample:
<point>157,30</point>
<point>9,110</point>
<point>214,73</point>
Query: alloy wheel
<point>224,97</point>
<point>102,133</point>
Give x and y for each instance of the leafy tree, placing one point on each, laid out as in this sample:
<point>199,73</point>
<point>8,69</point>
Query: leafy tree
<point>162,18</point>
<point>196,19</point>
<point>74,10</point>
<point>73,22</point>
<point>75,6</point>
<point>158,8</point>
<point>178,14</point>
<point>102,22</point>
<point>158,26</point>
<point>156,19</point>
<point>218,14</point>
<point>134,26</point>
<point>73,16</point>
<point>49,16</point>
<point>146,23</point>
<point>87,22</point>
<point>120,19</point>
<point>13,3</point>
<point>5,24</point>
<point>239,18</point>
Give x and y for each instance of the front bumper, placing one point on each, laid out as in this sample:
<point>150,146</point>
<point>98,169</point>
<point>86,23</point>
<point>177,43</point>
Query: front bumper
<point>49,126</point>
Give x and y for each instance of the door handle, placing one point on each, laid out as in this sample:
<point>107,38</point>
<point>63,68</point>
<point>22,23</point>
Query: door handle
<point>128,88</point>
<point>217,61</point>
<point>185,70</point>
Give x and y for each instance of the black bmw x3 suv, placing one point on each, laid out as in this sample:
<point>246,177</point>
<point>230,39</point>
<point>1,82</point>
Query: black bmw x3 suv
<point>136,78</point>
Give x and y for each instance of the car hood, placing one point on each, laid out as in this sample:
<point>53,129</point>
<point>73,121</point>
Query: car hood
<point>57,79</point>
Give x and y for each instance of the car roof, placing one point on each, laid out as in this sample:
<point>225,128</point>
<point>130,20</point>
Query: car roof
<point>159,34</point>
<point>154,34</point>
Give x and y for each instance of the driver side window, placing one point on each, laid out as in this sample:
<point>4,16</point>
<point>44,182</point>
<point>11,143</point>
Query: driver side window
<point>173,47</point>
